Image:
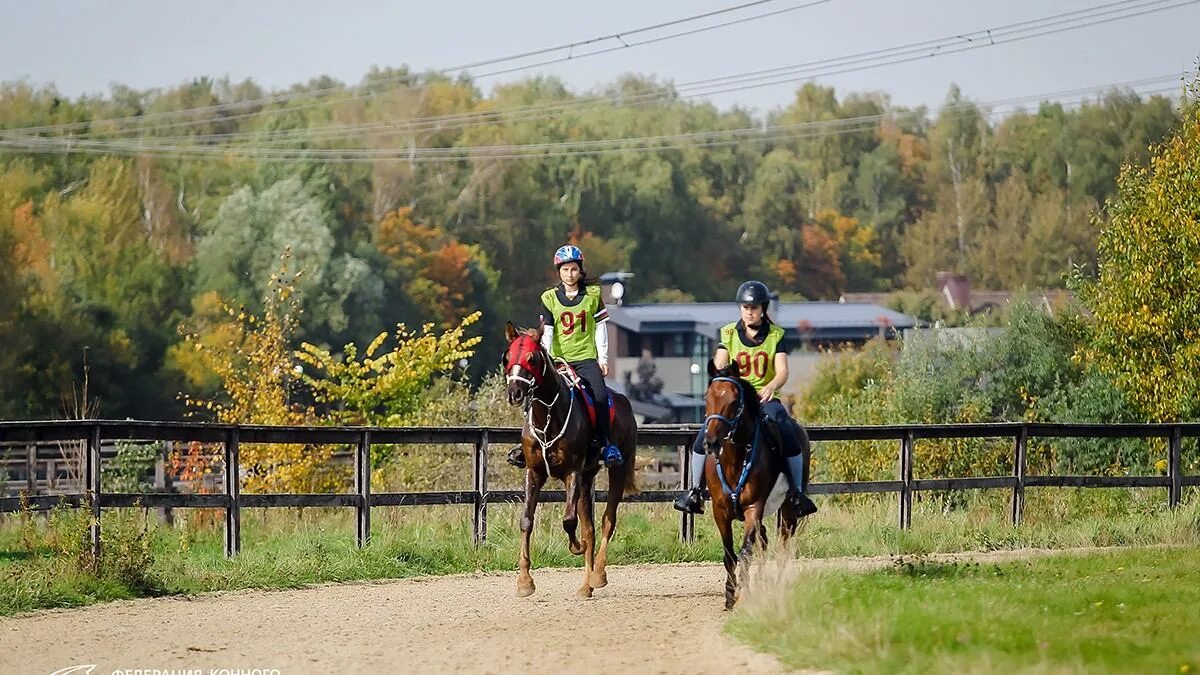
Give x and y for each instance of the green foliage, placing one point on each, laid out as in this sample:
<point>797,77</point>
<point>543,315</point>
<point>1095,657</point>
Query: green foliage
<point>106,255</point>
<point>127,471</point>
<point>1146,297</point>
<point>244,239</point>
<point>1025,370</point>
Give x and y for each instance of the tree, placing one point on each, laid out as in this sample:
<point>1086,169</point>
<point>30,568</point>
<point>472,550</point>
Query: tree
<point>1146,298</point>
<point>237,254</point>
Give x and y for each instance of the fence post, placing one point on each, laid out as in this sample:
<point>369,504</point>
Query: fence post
<point>31,470</point>
<point>1175,467</point>
<point>161,481</point>
<point>481,462</point>
<point>906,474</point>
<point>233,507</point>
<point>687,521</point>
<point>1018,499</point>
<point>93,491</point>
<point>362,488</point>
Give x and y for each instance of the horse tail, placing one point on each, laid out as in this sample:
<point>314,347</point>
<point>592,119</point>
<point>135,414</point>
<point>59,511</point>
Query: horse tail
<point>624,418</point>
<point>631,483</point>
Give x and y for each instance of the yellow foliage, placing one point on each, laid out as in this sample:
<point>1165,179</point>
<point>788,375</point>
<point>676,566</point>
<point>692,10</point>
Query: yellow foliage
<point>1146,299</point>
<point>253,362</point>
<point>384,389</point>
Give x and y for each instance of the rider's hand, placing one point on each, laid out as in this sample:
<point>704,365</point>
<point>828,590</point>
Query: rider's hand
<point>767,393</point>
<point>604,369</point>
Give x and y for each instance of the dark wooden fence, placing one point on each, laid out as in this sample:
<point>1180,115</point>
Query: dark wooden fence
<point>360,439</point>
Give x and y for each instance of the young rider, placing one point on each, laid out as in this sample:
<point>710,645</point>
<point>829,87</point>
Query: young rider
<point>575,331</point>
<point>756,345</point>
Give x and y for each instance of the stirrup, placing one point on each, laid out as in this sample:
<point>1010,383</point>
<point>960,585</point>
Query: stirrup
<point>690,502</point>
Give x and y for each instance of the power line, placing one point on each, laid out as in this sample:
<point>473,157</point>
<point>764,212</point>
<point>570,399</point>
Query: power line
<point>636,144</point>
<point>958,42</point>
<point>406,80</point>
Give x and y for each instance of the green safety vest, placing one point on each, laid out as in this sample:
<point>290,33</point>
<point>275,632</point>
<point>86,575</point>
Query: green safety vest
<point>575,323</point>
<point>756,363</point>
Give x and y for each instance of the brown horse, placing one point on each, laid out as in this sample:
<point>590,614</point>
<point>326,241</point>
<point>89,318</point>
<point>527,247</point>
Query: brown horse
<point>555,442</point>
<point>740,469</point>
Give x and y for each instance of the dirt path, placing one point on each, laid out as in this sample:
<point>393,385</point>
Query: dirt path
<point>650,619</point>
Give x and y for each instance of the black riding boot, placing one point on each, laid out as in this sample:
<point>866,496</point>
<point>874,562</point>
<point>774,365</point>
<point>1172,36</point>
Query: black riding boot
<point>516,457</point>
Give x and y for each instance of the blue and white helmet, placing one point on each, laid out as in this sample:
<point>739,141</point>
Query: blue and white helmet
<point>566,254</point>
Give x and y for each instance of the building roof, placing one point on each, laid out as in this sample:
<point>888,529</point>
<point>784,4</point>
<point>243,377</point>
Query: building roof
<point>820,320</point>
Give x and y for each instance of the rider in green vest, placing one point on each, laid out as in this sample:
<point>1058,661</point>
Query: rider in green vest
<point>756,344</point>
<point>575,331</point>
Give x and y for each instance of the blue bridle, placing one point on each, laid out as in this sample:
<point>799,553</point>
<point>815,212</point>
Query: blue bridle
<point>733,423</point>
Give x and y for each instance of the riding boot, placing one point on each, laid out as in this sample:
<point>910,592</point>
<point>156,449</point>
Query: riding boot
<point>794,471</point>
<point>692,500</point>
<point>516,457</point>
<point>609,453</point>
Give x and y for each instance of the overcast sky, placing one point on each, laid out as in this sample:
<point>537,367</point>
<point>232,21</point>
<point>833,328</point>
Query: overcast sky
<point>84,46</point>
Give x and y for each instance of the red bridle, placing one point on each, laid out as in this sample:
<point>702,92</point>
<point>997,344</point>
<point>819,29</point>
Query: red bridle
<point>519,357</point>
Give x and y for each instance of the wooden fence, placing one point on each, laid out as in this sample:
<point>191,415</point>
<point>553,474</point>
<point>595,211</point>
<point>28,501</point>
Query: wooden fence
<point>360,439</point>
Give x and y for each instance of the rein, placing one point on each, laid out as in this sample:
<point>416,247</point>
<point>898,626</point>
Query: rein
<point>735,493</point>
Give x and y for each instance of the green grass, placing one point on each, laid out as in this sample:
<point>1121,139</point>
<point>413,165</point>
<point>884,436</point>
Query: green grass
<point>1132,610</point>
<point>44,565</point>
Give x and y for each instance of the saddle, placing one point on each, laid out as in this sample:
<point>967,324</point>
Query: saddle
<point>579,384</point>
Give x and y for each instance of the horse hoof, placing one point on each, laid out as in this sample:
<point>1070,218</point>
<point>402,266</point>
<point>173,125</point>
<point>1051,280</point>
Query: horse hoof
<point>524,590</point>
<point>585,592</point>
<point>598,579</point>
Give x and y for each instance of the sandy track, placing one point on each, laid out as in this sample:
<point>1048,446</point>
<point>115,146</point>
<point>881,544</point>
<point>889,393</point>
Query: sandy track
<point>651,619</point>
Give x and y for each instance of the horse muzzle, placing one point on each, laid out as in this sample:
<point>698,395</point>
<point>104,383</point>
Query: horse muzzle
<point>516,394</point>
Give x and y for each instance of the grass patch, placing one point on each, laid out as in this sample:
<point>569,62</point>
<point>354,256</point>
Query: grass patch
<point>1131,610</point>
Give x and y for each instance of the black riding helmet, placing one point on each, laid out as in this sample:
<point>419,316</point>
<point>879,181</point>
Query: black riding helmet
<point>754,293</point>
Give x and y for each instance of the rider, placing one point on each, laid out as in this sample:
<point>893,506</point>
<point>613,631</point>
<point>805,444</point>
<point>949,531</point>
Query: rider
<point>574,317</point>
<point>756,345</point>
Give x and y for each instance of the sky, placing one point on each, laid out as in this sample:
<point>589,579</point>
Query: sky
<point>84,46</point>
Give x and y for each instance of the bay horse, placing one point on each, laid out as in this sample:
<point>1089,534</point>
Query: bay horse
<point>555,441</point>
<point>741,469</point>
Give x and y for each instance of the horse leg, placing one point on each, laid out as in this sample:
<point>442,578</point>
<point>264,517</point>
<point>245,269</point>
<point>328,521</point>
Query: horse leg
<point>571,513</point>
<point>533,488</point>
<point>588,533</point>
<point>616,489</point>
<point>789,520</point>
<point>724,522</point>
<point>754,538</point>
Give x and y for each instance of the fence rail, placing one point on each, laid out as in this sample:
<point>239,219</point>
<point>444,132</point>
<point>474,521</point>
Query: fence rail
<point>360,439</point>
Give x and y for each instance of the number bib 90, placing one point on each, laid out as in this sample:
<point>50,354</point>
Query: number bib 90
<point>756,363</point>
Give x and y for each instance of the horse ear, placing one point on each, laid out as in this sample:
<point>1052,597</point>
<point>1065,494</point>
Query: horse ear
<point>541,326</point>
<point>509,331</point>
<point>712,369</point>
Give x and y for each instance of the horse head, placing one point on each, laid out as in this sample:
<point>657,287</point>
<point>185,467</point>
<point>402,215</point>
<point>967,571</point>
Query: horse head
<point>526,365</point>
<point>730,406</point>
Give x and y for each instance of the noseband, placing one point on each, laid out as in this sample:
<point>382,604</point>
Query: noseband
<point>731,422</point>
